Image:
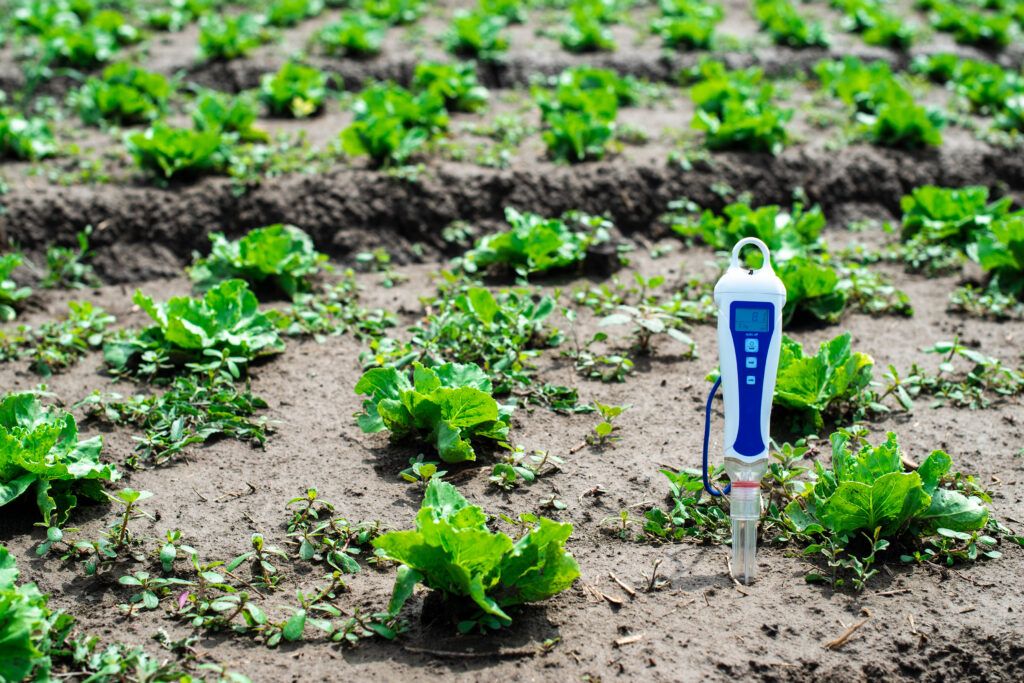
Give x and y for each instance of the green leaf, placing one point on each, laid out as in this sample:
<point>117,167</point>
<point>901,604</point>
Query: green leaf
<point>890,502</point>
<point>405,581</point>
<point>293,628</point>
<point>933,469</point>
<point>953,510</point>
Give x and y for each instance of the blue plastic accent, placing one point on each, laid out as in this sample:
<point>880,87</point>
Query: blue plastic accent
<point>750,380</point>
<point>707,436</point>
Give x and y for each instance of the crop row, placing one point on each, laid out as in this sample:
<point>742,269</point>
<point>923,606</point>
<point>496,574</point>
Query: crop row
<point>578,116</point>
<point>86,33</point>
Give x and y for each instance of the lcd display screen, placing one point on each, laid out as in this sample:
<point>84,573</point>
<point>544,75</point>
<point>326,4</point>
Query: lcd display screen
<point>751,319</point>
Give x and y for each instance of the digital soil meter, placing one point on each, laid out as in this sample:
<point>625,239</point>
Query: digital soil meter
<point>750,303</point>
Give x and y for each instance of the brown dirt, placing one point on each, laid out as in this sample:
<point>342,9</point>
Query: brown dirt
<point>700,627</point>
<point>148,232</point>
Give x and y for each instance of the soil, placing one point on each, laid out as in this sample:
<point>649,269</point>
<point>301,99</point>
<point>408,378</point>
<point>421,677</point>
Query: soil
<point>922,623</point>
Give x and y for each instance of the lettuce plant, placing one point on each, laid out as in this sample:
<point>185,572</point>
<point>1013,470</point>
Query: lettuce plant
<point>886,110</point>
<point>356,34</point>
<point>830,381</point>
<point>990,89</point>
<point>788,233</point>
<point>295,90</point>
<point>286,13</point>
<point>688,24</point>
<point>876,24</point>
<point>11,294</point>
<point>452,550</point>
<point>475,34</point>
<point>585,30</point>
<point>735,110</point>
<point>627,90</point>
<point>168,152</point>
<point>225,324</point>
<point>25,138</point>
<point>392,123</point>
<point>455,84</point>
<point>395,12</point>
<point>811,288</point>
<point>176,14</point>
<point>28,629</point>
<point>223,113</point>
<point>578,123</point>
<point>85,44</point>
<point>224,37</point>
<point>39,449</point>
<point>972,27</point>
<point>448,406</point>
<point>512,11</point>
<point>714,84</point>
<point>535,244</point>
<point>899,123</point>
<point>953,217</point>
<point>745,126</point>
<point>283,254</point>
<point>868,488</point>
<point>124,94</point>
<point>1000,251</point>
<point>787,26</point>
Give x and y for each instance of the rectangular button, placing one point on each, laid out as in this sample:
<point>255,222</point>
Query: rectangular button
<point>750,345</point>
<point>751,379</point>
<point>751,361</point>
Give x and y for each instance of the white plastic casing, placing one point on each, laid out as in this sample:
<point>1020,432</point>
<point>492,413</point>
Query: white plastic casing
<point>740,284</point>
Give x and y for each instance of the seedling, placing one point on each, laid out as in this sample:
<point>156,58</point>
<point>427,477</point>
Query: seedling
<point>421,471</point>
<point>11,294</point>
<point>324,537</point>
<point>693,516</point>
<point>295,90</point>
<point>193,410</point>
<point>66,267</point>
<point>129,499</point>
<point>604,431</point>
<point>516,468</point>
<point>173,549</point>
<point>260,556</point>
<point>59,344</point>
<point>646,323</point>
<point>148,590</point>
